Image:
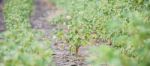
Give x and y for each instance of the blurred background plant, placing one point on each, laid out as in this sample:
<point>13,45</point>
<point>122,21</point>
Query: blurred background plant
<point>20,45</point>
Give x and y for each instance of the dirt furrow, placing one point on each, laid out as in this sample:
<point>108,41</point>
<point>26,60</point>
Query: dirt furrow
<point>43,12</point>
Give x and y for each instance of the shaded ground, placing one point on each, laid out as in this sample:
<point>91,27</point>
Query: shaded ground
<point>2,26</point>
<point>42,14</point>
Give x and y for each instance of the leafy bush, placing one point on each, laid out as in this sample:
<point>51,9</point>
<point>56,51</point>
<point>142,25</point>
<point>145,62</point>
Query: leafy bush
<point>83,21</point>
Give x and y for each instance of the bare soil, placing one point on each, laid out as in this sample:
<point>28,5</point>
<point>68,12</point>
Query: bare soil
<point>44,12</point>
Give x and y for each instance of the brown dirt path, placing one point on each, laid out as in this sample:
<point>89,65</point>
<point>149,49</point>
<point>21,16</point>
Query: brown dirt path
<point>43,12</point>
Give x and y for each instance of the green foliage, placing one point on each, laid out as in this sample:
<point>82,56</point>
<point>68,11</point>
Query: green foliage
<point>83,22</point>
<point>20,45</point>
<point>102,55</point>
<point>125,22</point>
